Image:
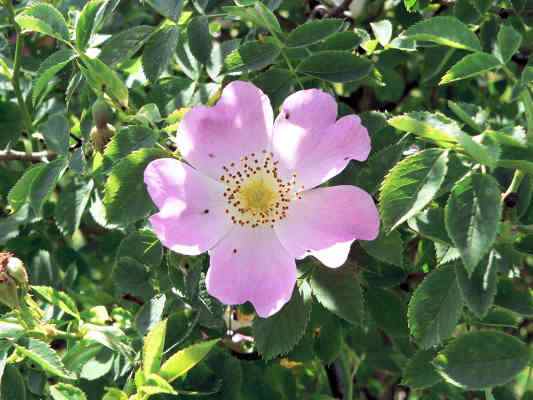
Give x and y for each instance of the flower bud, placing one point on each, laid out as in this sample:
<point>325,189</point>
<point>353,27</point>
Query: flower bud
<point>356,8</point>
<point>8,285</point>
<point>17,271</point>
<point>102,114</point>
<point>100,136</point>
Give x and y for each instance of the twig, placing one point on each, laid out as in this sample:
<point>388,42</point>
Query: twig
<point>35,157</point>
<point>334,378</point>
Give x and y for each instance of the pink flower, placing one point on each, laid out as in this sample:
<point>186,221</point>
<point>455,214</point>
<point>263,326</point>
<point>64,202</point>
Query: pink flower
<point>248,193</point>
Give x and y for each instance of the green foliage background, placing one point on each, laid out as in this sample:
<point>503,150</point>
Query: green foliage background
<point>438,307</point>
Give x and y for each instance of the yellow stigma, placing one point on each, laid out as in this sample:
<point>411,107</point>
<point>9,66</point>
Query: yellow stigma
<point>259,193</point>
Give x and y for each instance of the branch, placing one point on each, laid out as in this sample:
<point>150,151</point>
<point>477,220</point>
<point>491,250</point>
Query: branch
<point>35,157</point>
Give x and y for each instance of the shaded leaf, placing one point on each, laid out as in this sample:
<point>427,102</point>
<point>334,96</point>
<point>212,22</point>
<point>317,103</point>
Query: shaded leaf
<point>480,360</point>
<point>472,217</point>
<point>335,66</point>
<point>338,290</point>
<point>435,307</point>
<point>282,331</point>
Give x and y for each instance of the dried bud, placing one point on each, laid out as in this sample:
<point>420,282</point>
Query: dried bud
<point>100,137</point>
<point>102,114</point>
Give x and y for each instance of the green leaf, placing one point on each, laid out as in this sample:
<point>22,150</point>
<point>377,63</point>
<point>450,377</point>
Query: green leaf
<point>154,344</point>
<point>388,310</point>
<point>85,25</point>
<point>64,391</point>
<point>470,66</point>
<point>48,69</point>
<point>45,181</point>
<point>130,276</point>
<point>200,41</point>
<point>115,394</point>
<point>42,354</point>
<point>282,331</point>
<point>11,123</point>
<point>483,359</point>
<point>20,192</point>
<point>258,15</point>
<point>104,80</point>
<point>154,384</point>
<point>126,199</point>
<point>419,373</point>
<point>480,289</point>
<point>187,62</point>
<point>71,206</point>
<point>370,175</point>
<point>59,299</point>
<point>447,31</point>
<point>313,32</point>
<point>143,246</point>
<point>169,8</point>
<point>129,139</point>
<point>159,50</point>
<point>182,361</point>
<point>122,46</point>
<point>10,330</point>
<point>507,44</point>
<point>329,339</point>
<point>251,56</point>
<point>432,126</point>
<point>56,132</point>
<point>382,31</point>
<point>43,18</point>
<point>338,290</point>
<point>472,217</point>
<point>515,297</point>
<point>150,314</point>
<point>445,131</point>
<point>387,248</point>
<point>435,307</point>
<point>13,385</point>
<point>336,66</point>
<point>430,224</point>
<point>411,185</point>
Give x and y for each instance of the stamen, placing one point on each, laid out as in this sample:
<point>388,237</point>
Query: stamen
<point>255,193</point>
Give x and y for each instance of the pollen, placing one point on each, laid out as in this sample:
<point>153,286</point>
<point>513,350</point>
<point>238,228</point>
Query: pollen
<point>254,191</point>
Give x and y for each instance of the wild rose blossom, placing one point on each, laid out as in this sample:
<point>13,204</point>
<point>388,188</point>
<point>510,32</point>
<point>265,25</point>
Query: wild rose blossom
<point>248,192</point>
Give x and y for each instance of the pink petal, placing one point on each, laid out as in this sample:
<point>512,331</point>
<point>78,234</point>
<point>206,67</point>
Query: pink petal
<point>310,143</point>
<point>239,124</point>
<point>325,221</point>
<point>252,265</point>
<point>192,210</point>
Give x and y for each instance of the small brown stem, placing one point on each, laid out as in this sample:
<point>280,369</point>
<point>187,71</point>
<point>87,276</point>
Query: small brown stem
<point>35,157</point>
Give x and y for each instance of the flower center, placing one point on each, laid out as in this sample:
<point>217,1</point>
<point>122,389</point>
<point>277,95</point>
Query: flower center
<point>255,193</point>
<point>258,193</point>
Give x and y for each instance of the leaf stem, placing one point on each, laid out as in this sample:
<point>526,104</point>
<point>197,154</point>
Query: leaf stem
<point>15,78</point>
